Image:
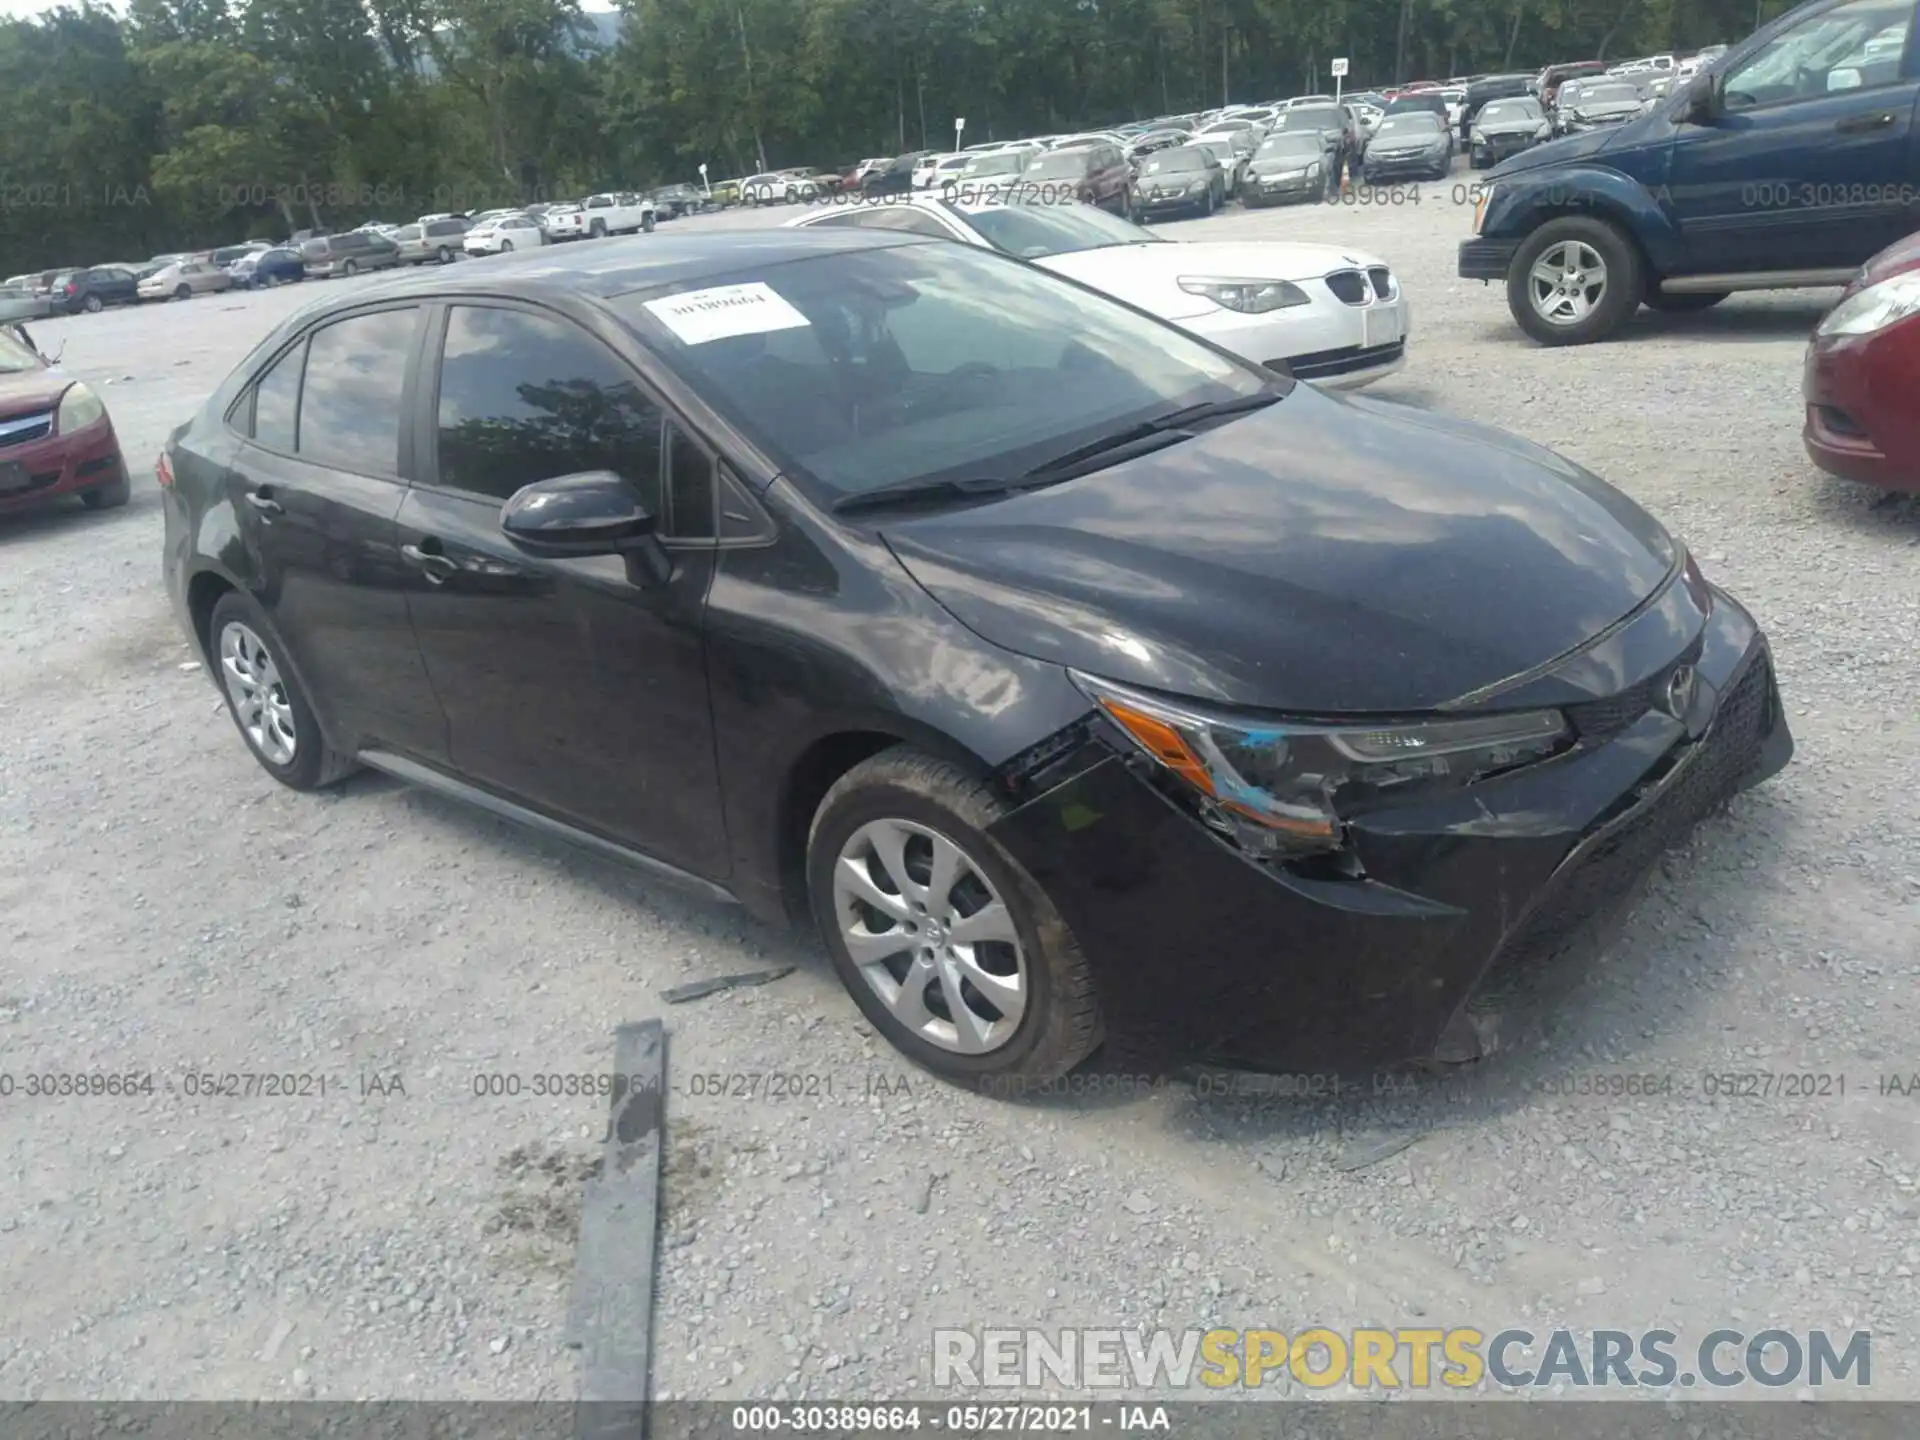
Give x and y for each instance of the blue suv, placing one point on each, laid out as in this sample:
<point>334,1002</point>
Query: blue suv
<point>1787,162</point>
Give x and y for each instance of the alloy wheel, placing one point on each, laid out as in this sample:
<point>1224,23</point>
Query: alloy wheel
<point>931,935</point>
<point>1567,282</point>
<point>258,693</point>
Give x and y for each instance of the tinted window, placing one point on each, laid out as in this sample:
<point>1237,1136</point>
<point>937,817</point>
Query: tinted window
<point>350,403</point>
<point>276,399</point>
<point>525,397</point>
<point>446,227</point>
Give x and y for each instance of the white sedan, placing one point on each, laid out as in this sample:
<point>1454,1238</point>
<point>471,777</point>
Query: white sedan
<point>505,233</point>
<point>1327,314</point>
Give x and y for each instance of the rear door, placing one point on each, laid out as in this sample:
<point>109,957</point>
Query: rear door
<point>1814,161</point>
<point>317,485</point>
<point>567,686</point>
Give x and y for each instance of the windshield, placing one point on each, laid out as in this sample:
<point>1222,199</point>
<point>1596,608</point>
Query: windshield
<point>1031,231</point>
<point>1005,162</point>
<point>1422,125</point>
<point>1185,160</point>
<point>877,367</point>
<point>1613,94</point>
<point>1311,117</point>
<point>1509,112</point>
<point>1290,147</point>
<point>1061,165</point>
<point>16,358</point>
<point>1416,104</point>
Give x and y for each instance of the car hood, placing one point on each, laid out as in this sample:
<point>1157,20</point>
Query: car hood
<point>1326,555</point>
<point>31,391</point>
<point>1148,274</point>
<point>1511,127</point>
<point>1896,259</point>
<point>1565,150</point>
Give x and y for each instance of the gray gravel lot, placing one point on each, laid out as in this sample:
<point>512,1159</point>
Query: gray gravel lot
<point>166,908</point>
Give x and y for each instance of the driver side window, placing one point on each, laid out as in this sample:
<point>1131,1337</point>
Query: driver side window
<point>1856,46</point>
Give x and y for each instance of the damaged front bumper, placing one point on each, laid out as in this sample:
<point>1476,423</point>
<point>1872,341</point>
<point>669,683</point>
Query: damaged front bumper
<point>1203,954</point>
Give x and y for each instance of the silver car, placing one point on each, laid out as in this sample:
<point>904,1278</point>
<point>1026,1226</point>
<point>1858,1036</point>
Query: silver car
<point>438,241</point>
<point>184,279</point>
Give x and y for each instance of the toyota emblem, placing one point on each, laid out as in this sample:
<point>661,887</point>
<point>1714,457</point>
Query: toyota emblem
<point>1680,688</point>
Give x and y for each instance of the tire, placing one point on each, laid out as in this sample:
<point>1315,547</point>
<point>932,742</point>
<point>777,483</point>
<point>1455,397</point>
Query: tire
<point>1211,205</point>
<point>929,803</point>
<point>311,763</point>
<point>1589,312</point>
<point>110,496</point>
<point>598,230</point>
<point>183,292</point>
<point>91,305</point>
<point>1684,304</point>
<point>443,255</point>
<point>351,268</point>
<point>506,247</point>
<point>647,222</point>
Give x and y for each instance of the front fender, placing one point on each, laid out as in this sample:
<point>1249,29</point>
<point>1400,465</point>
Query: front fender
<point>1522,203</point>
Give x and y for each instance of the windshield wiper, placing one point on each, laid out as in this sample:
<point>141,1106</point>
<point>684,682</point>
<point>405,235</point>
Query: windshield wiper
<point>1135,440</point>
<point>1144,438</point>
<point>971,487</point>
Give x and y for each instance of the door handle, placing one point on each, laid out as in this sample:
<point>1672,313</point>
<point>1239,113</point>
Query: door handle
<point>263,501</point>
<point>435,566</point>
<point>1862,123</point>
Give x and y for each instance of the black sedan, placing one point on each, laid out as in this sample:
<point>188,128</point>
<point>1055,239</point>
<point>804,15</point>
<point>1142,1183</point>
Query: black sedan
<point>1289,165</point>
<point>1070,675</point>
<point>1413,145</point>
<point>1504,128</point>
<point>1185,180</point>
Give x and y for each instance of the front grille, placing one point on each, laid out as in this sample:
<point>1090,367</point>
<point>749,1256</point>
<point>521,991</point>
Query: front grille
<point>25,429</point>
<point>1710,772</point>
<point>1320,364</point>
<point>1349,286</point>
<point>1603,719</point>
<point>1382,280</point>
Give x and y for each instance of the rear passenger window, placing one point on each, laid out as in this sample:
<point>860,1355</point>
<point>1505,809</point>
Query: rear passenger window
<point>350,403</point>
<point>276,400</point>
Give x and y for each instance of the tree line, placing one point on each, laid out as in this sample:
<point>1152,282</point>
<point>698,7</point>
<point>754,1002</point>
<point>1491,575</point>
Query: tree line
<point>187,123</point>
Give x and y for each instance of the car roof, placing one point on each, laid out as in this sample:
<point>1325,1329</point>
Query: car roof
<point>617,267</point>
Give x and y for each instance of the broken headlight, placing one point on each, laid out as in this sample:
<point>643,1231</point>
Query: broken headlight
<point>1275,786</point>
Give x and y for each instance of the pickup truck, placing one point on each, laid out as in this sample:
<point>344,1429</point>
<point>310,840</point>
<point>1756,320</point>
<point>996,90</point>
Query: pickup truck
<point>607,214</point>
<point>1785,163</point>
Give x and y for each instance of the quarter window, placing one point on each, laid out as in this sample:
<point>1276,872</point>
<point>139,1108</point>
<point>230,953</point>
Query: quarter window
<point>528,397</point>
<point>276,401</point>
<point>350,401</point>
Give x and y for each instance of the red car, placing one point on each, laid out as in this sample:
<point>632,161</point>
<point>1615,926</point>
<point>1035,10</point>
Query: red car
<point>1863,372</point>
<point>55,436</point>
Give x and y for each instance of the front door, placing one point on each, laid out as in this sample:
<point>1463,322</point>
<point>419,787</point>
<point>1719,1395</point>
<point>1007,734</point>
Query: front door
<point>568,686</point>
<point>1814,160</point>
<point>317,486</point>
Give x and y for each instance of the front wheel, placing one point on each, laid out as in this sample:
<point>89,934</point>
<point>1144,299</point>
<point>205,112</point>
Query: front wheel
<point>506,247</point>
<point>1684,303</point>
<point>183,292</point>
<point>948,946</point>
<point>266,702</point>
<point>1575,280</point>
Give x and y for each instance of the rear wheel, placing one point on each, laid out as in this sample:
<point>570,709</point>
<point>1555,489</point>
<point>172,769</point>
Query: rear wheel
<point>444,255</point>
<point>1685,303</point>
<point>1575,280</point>
<point>598,229</point>
<point>647,222</point>
<point>266,702</point>
<point>91,304</point>
<point>352,267</point>
<point>948,946</point>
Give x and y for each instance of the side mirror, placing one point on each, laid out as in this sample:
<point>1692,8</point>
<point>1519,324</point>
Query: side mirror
<point>591,513</point>
<point>1703,99</point>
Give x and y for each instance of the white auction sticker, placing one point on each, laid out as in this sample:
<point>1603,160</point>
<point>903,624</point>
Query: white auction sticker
<point>697,316</point>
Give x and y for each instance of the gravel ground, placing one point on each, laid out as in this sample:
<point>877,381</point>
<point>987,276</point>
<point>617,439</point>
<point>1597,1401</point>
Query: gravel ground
<point>168,909</point>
